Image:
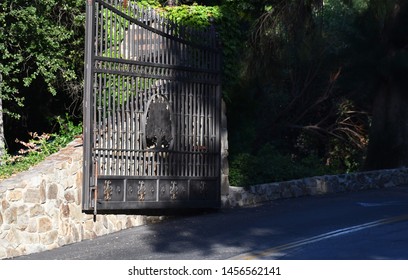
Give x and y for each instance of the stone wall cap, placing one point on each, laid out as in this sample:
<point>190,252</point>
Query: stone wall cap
<point>3,189</point>
<point>236,187</point>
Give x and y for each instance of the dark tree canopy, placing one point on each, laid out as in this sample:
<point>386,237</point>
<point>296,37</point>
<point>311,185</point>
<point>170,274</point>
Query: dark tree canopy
<point>312,86</point>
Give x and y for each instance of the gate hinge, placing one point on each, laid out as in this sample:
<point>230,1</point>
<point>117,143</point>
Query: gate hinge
<point>93,199</point>
<point>93,191</point>
<point>92,182</point>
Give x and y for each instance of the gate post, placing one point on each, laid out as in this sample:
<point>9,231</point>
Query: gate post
<point>87,103</point>
<point>224,150</point>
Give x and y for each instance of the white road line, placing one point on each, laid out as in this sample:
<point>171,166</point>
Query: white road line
<point>381,204</point>
<point>276,251</point>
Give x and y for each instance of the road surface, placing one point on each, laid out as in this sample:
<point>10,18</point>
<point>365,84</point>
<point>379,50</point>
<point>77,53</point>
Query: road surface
<point>360,225</point>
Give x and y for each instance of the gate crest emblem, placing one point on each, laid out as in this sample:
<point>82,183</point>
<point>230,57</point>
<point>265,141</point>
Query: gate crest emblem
<point>158,126</point>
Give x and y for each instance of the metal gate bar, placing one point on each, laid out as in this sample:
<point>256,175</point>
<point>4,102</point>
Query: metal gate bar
<point>151,111</point>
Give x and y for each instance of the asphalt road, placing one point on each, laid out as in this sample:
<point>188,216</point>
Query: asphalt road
<point>361,225</point>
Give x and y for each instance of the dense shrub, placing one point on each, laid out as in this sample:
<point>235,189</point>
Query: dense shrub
<point>272,165</point>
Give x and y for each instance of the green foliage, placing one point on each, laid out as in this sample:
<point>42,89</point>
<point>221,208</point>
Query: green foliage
<point>240,169</point>
<point>294,94</point>
<point>273,165</point>
<point>149,3</point>
<point>194,16</point>
<point>345,158</point>
<point>230,27</point>
<point>40,146</point>
<point>39,40</point>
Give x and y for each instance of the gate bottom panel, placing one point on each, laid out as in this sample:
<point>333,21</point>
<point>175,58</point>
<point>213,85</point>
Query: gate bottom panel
<point>128,207</point>
<point>147,193</point>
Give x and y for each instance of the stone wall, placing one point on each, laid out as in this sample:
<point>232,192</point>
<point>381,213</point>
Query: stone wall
<point>316,186</point>
<point>41,208</point>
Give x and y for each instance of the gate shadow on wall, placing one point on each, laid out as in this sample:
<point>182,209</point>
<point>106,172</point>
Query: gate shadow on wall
<point>151,111</point>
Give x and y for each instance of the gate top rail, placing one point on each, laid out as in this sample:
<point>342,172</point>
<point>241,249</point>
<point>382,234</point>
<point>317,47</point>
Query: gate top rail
<point>181,34</point>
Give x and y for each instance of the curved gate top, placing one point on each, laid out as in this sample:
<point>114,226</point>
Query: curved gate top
<point>151,111</point>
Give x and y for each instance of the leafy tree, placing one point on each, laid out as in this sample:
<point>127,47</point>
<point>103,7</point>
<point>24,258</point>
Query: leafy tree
<point>292,91</point>
<point>41,51</point>
<point>326,78</point>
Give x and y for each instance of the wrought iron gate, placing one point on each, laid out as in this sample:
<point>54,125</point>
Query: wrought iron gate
<point>151,111</point>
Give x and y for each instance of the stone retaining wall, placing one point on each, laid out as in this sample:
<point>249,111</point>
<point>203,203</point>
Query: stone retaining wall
<point>316,186</point>
<point>41,208</point>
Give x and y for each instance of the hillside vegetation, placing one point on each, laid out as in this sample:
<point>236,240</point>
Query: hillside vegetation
<point>312,87</point>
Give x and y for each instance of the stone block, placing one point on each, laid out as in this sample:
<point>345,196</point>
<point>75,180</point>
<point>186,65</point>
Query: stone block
<point>42,190</point>
<point>52,191</point>
<point>36,210</point>
<point>71,179</point>
<point>49,237</point>
<point>75,234</point>
<point>112,219</point>
<point>75,212</point>
<point>311,190</point>
<point>32,196</point>
<point>44,224</point>
<point>224,184</point>
<point>296,191</point>
<point>286,193</point>
<point>29,238</point>
<point>14,252</point>
<point>129,222</point>
<point>105,221</point>
<point>64,228</point>
<point>4,205</point>
<point>70,196</point>
<point>10,215</point>
<point>15,195</point>
<point>61,164</point>
<point>321,186</point>
<point>3,253</point>
<point>32,225</point>
<point>34,248</point>
<point>13,238</point>
<point>89,224</point>
<point>22,209</point>
<point>79,196</point>
<point>62,240</point>
<point>89,235</point>
<point>32,179</point>
<point>55,217</point>
<point>52,246</point>
<point>23,221</point>
<point>52,207</point>
<point>64,210</point>
<point>5,228</point>
<point>78,179</point>
<point>99,229</point>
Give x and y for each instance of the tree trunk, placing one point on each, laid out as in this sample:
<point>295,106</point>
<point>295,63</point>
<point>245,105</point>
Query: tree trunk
<point>2,139</point>
<point>171,3</point>
<point>388,144</point>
